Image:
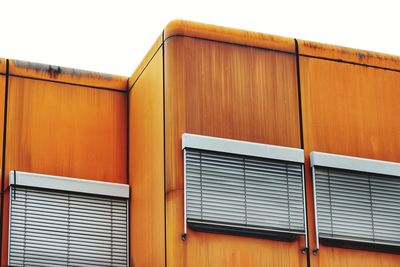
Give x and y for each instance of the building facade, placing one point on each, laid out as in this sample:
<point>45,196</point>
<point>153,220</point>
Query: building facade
<point>238,149</point>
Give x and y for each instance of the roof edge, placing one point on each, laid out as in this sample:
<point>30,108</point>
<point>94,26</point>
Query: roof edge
<point>351,55</point>
<point>68,75</point>
<point>228,35</point>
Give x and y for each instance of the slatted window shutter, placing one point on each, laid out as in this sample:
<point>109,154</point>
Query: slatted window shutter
<point>244,191</point>
<point>65,228</point>
<point>357,205</point>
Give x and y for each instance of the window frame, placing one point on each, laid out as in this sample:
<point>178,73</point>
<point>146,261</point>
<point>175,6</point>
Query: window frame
<point>243,148</point>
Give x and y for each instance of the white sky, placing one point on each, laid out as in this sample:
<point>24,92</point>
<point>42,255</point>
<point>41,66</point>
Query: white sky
<point>113,36</point>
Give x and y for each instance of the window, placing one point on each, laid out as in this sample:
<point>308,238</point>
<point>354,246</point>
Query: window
<point>356,199</point>
<point>243,187</point>
<point>58,221</point>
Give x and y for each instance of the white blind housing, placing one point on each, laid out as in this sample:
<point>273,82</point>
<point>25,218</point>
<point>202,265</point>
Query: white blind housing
<point>64,228</point>
<point>354,205</point>
<point>237,189</point>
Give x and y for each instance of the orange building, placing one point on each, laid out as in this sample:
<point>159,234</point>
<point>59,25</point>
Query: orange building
<point>224,148</point>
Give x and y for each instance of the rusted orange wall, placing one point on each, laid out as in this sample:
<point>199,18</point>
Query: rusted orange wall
<point>146,163</point>
<point>64,122</point>
<point>232,91</point>
<point>351,110</point>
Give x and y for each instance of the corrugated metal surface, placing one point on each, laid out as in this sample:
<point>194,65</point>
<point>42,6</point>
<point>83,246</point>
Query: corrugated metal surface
<point>244,191</point>
<point>49,228</point>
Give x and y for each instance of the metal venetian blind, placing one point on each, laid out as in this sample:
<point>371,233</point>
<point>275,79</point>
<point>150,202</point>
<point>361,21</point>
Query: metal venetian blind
<point>51,228</point>
<point>244,191</point>
<point>358,206</point>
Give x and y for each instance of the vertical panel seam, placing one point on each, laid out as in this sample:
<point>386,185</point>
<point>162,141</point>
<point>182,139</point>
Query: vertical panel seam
<point>165,173</point>
<point>128,173</point>
<point>3,158</point>
<point>300,107</point>
<point>299,93</point>
<point>127,136</point>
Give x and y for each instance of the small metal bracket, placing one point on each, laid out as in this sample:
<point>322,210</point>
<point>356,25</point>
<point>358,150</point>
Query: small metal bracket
<point>303,250</point>
<point>315,251</point>
<point>184,236</point>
